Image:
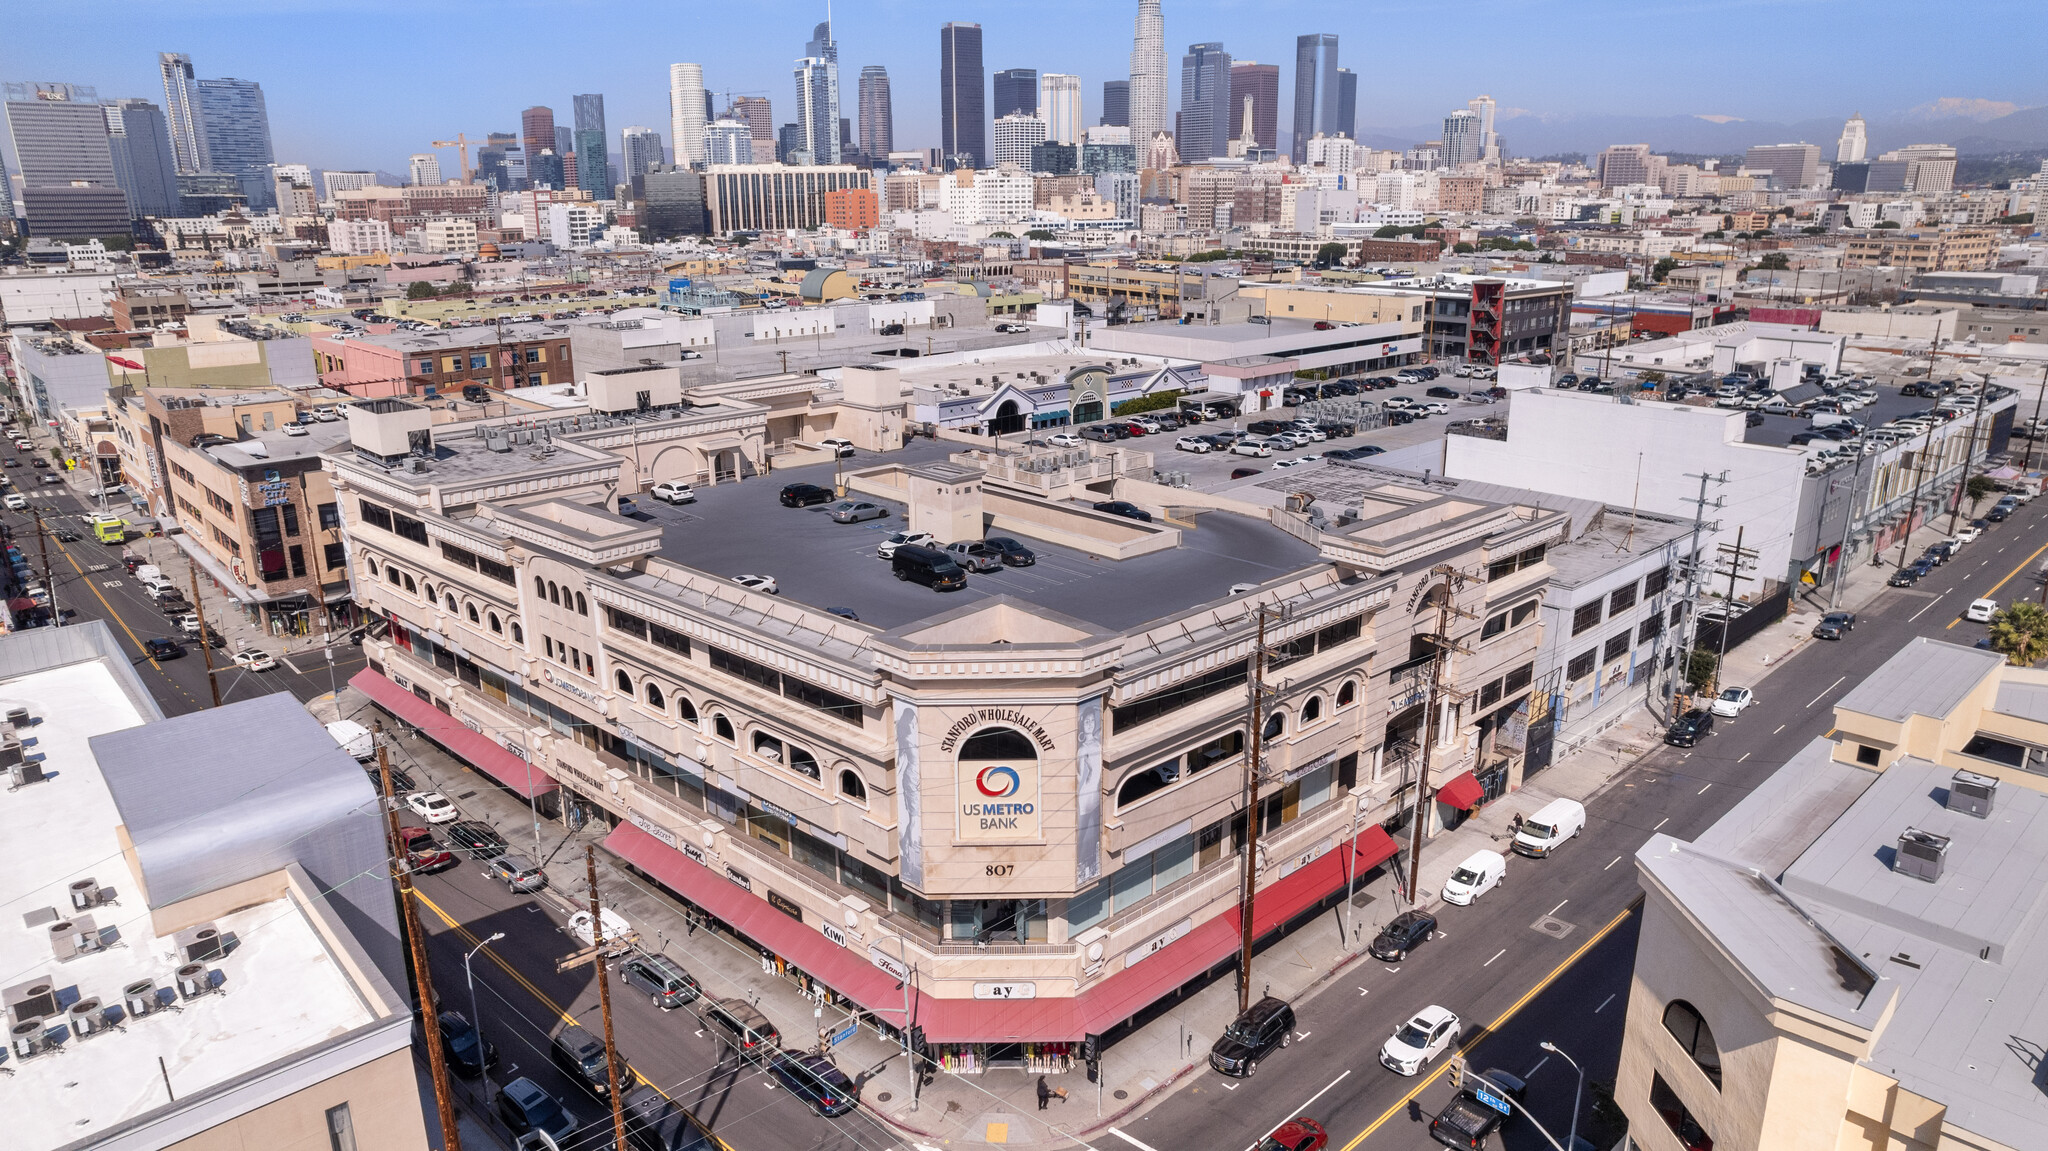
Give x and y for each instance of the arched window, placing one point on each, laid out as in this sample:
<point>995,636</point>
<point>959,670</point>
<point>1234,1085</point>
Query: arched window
<point>373,565</point>
<point>450,600</point>
<point>1140,784</point>
<point>429,593</point>
<point>998,743</point>
<point>496,625</point>
<point>582,605</point>
<point>768,747</point>
<point>411,586</point>
<point>1684,1023</point>
<point>654,697</point>
<point>851,787</point>
<point>1275,724</point>
<point>686,709</point>
<point>803,762</point>
<point>1433,599</point>
<point>722,728</point>
<point>624,681</point>
<point>540,587</point>
<point>391,574</point>
<point>518,633</point>
<point>1347,694</point>
<point>473,617</point>
<point>1312,710</point>
<point>554,593</point>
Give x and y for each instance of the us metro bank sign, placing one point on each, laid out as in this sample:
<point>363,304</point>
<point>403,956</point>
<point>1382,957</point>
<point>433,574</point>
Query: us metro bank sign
<point>998,803</point>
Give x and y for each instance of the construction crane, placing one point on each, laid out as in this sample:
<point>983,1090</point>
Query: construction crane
<point>461,144</point>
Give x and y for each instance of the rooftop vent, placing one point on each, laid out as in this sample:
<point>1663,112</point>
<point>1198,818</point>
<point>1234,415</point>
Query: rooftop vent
<point>87,894</point>
<point>1921,854</point>
<point>1972,794</point>
<point>19,717</point>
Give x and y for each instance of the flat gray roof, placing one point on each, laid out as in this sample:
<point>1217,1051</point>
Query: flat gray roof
<point>1926,677</point>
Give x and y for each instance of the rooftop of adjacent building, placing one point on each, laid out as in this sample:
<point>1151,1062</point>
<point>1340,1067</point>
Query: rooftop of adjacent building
<point>282,987</point>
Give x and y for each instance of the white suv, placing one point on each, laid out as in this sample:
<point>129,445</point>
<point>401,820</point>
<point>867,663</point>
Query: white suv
<point>673,492</point>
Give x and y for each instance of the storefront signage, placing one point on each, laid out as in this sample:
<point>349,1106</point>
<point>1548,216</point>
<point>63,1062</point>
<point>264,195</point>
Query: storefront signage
<point>1006,716</point>
<point>514,746</point>
<point>274,493</point>
<point>832,933</point>
<point>1296,863</point>
<point>896,968</point>
<point>472,723</point>
<point>694,853</point>
<point>998,802</point>
<point>548,676</point>
<point>784,904</point>
<point>1152,946</point>
<point>1316,764</point>
<point>650,827</point>
<point>1006,991</point>
<point>401,681</point>
<point>739,880</point>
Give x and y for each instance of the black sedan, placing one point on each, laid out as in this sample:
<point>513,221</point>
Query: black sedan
<point>1834,625</point>
<point>1690,728</point>
<point>1014,554</point>
<point>467,1054</point>
<point>1442,393</point>
<point>479,840</point>
<point>163,649</point>
<point>805,495</point>
<point>1126,509</point>
<point>1908,576</point>
<point>1403,934</point>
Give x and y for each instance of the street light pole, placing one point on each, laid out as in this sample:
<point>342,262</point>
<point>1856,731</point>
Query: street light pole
<point>1572,1140</point>
<point>476,1018</point>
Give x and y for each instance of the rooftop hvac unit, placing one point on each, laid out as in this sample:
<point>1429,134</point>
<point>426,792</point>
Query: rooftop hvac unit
<point>32,1000</point>
<point>87,894</point>
<point>10,753</point>
<point>26,1038</point>
<point>18,716</point>
<point>194,980</point>
<point>87,1017</point>
<point>199,944</point>
<point>1921,854</point>
<point>139,998</point>
<point>71,938</point>
<point>23,774</point>
<point>1972,794</point>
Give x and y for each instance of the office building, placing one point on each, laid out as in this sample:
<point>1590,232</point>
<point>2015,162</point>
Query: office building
<point>424,169</point>
<point>1849,957</point>
<point>756,113</point>
<point>236,125</point>
<point>1347,103</point>
<point>70,186</point>
<point>686,117</point>
<point>547,169</point>
<point>1620,165</point>
<point>728,142</point>
<point>1203,128</point>
<point>851,209</point>
<point>963,107</point>
<point>294,1028</point>
<point>758,197</point>
<point>593,145</point>
<point>1015,136</point>
<point>817,96</point>
<point>1148,109</point>
<point>181,111</point>
<point>1317,91</point>
<point>639,150</point>
<point>145,160</point>
<point>673,205</point>
<point>1915,168</point>
<point>1855,139</point>
<point>1259,83</point>
<point>877,114</point>
<point>1014,91</point>
<point>1116,104</point>
<point>1486,109</point>
<point>492,167</point>
<point>1789,165</point>
<point>1464,140</point>
<point>787,144</point>
<point>537,134</point>
<point>1059,105</point>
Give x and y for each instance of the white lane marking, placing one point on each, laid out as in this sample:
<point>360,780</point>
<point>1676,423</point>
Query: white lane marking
<point>1226,1087</point>
<point>1612,862</point>
<point>1603,1005</point>
<point>1703,791</point>
<point>1283,1122</point>
<point>1531,1072</point>
<point>1303,1034</point>
<point>1745,755</point>
<point>1930,603</point>
<point>1559,907</point>
<point>1824,692</point>
<point>1131,1141</point>
<point>1363,991</point>
<point>1781,727</point>
<point>1496,955</point>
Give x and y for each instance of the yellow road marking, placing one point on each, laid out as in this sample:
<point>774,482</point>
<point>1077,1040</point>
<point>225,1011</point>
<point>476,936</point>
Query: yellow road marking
<point>73,561</point>
<point>542,997</point>
<point>2006,580</point>
<point>1491,1028</point>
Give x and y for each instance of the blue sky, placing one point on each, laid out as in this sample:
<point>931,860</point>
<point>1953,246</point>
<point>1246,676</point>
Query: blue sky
<point>363,83</point>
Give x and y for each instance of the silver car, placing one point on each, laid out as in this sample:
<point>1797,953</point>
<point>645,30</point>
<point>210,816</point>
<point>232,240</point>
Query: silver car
<point>516,872</point>
<point>975,556</point>
<point>854,511</point>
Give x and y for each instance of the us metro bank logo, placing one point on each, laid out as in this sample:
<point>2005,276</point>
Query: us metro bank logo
<point>995,784</point>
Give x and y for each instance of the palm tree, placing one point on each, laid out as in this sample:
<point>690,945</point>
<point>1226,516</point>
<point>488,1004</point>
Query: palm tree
<point>2020,633</point>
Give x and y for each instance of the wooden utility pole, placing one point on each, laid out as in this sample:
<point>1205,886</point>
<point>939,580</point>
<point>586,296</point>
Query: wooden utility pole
<point>1251,820</point>
<point>423,980</point>
<point>604,996</point>
<point>205,651</point>
<point>1423,795</point>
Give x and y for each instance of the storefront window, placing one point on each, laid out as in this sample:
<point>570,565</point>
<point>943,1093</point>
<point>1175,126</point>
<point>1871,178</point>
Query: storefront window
<point>1087,909</point>
<point>1315,788</point>
<point>864,879</point>
<point>815,854</point>
<point>1131,883</point>
<point>772,830</point>
<point>903,900</point>
<point>1174,861</point>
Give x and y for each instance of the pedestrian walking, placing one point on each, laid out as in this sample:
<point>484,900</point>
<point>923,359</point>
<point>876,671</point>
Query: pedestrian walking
<point>1044,1093</point>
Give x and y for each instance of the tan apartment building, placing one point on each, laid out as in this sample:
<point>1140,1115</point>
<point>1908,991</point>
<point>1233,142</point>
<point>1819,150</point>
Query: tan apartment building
<point>1959,251</point>
<point>1024,811</point>
<point>1850,957</point>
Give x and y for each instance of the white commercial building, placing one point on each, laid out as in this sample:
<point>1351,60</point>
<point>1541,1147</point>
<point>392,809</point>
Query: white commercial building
<point>425,170</point>
<point>574,225</point>
<point>728,142</point>
<point>987,195</point>
<point>449,234</point>
<point>686,112</point>
<point>1059,105</point>
<point>1015,136</point>
<point>358,237</point>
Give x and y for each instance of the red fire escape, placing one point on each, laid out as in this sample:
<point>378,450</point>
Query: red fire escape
<point>1485,327</point>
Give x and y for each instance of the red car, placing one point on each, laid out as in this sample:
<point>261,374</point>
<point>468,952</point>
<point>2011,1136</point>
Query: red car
<point>423,856</point>
<point>1297,1134</point>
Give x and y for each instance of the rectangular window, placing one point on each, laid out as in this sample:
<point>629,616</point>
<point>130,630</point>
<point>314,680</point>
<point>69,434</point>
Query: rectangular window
<point>1493,626</point>
<point>1656,581</point>
<point>1651,629</point>
<point>1523,614</point>
<point>533,355</point>
<point>291,518</point>
<point>407,527</point>
<point>830,702</point>
<point>1518,679</point>
<point>1616,648</point>
<point>479,360</point>
<point>1621,600</point>
<point>219,503</point>
<point>330,517</point>
<point>298,555</point>
<point>1581,665</point>
<point>1340,633</point>
<point>674,641</point>
<point>1666,1103</point>
<point>341,1130</point>
<point>374,514</point>
<point>1088,908</point>
<point>1180,695</point>
<point>619,621</point>
<point>1586,617</point>
<point>337,557</point>
<point>747,669</point>
<point>426,367</point>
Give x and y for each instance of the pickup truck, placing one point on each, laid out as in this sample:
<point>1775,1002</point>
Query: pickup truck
<point>1465,1121</point>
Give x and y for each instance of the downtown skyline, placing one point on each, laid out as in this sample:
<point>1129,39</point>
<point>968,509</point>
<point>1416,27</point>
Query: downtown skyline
<point>384,120</point>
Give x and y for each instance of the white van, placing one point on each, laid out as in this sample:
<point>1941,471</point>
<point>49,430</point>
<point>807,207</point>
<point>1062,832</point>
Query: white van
<point>147,572</point>
<point>1480,873</point>
<point>619,936</point>
<point>1546,831</point>
<point>354,738</point>
<point>160,589</point>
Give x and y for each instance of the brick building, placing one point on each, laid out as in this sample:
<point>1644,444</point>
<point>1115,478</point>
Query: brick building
<point>851,208</point>
<point>436,363</point>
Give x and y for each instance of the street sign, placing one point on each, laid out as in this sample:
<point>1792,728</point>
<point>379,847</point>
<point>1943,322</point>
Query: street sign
<point>1480,1093</point>
<point>852,1029</point>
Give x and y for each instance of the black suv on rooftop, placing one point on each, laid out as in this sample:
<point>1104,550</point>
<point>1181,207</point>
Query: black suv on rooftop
<point>804,495</point>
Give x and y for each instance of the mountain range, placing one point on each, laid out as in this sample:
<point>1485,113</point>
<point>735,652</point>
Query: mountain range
<point>1544,135</point>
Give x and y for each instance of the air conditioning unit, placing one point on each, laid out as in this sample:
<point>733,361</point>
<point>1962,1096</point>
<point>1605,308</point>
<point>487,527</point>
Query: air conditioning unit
<point>194,980</point>
<point>87,894</point>
<point>139,998</point>
<point>1972,794</point>
<point>87,1017</point>
<point>36,999</point>
<point>199,944</point>
<point>26,1038</point>
<point>23,774</point>
<point>1921,854</point>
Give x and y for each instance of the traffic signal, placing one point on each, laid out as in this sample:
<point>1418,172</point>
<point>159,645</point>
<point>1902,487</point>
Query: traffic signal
<point>918,1046</point>
<point>1091,1048</point>
<point>1457,1072</point>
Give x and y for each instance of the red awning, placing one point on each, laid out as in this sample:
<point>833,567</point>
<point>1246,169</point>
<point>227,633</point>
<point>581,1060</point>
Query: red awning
<point>849,971</point>
<point>474,748</point>
<point>1462,792</point>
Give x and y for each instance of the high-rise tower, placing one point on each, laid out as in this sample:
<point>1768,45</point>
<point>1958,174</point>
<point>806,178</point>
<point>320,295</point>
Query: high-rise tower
<point>1204,126</point>
<point>593,149</point>
<point>817,95</point>
<point>686,113</point>
<point>1261,84</point>
<point>1317,91</point>
<point>1855,140</point>
<point>181,111</point>
<point>963,97</point>
<point>234,126</point>
<point>1148,72</point>
<point>877,114</point>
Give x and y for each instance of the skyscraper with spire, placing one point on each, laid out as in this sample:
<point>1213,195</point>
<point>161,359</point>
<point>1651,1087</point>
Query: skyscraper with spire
<point>817,95</point>
<point>1148,74</point>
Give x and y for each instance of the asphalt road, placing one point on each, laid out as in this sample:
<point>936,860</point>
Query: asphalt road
<point>1514,986</point>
